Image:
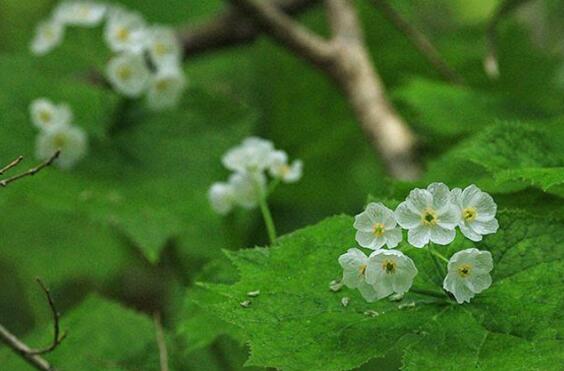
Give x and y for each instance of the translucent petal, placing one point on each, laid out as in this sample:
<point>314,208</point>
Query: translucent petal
<point>449,217</point>
<point>406,217</point>
<point>419,199</point>
<point>456,197</point>
<point>441,195</point>
<point>363,222</point>
<point>470,196</point>
<point>442,236</point>
<point>393,237</point>
<point>487,227</point>
<point>352,259</point>
<point>368,292</point>
<point>352,279</point>
<point>364,239</point>
<point>419,236</point>
<point>469,233</point>
<point>383,286</point>
<point>485,207</point>
<point>456,286</point>
<point>484,261</point>
<point>479,282</point>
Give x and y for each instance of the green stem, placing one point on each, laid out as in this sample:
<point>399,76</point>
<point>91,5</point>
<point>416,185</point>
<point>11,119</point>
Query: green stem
<point>272,186</point>
<point>267,216</point>
<point>438,255</point>
<point>438,267</point>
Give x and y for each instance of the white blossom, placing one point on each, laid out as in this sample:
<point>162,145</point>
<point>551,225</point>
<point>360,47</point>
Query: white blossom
<point>128,74</point>
<point>163,46</point>
<point>80,13</point>
<point>355,263</point>
<point>477,212</point>
<point>70,140</point>
<point>46,115</point>
<point>125,31</point>
<point>165,88</point>
<point>429,215</point>
<point>376,226</point>
<point>48,35</point>
<point>468,274</point>
<point>253,155</point>
<point>221,197</point>
<point>280,168</point>
<point>390,271</point>
<point>247,188</point>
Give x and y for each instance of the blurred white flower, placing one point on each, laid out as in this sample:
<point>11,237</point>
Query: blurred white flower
<point>125,31</point>
<point>468,274</point>
<point>48,35</point>
<point>165,88</point>
<point>429,215</point>
<point>355,263</point>
<point>247,188</point>
<point>376,226</point>
<point>477,212</point>
<point>390,271</point>
<point>70,140</point>
<point>221,197</point>
<point>163,46</point>
<point>253,155</point>
<point>46,115</point>
<point>128,74</point>
<point>280,168</point>
<point>80,13</point>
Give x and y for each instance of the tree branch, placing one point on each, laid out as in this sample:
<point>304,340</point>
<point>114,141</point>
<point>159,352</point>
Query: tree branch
<point>11,165</point>
<point>30,172</point>
<point>419,41</point>
<point>161,342</point>
<point>231,28</point>
<point>33,356</point>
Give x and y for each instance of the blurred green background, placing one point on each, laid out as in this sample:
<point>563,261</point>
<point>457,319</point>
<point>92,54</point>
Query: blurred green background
<point>131,223</point>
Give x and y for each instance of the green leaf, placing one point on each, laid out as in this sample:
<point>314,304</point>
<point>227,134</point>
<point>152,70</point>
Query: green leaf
<point>102,335</point>
<point>297,323</point>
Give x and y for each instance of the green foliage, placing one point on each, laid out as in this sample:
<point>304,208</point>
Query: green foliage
<point>297,323</point>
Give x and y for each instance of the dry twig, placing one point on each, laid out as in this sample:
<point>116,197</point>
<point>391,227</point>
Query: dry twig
<point>346,61</point>
<point>30,172</point>
<point>30,355</point>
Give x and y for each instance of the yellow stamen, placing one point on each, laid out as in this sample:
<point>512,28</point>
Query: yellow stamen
<point>362,269</point>
<point>124,72</point>
<point>464,270</point>
<point>122,34</point>
<point>389,266</point>
<point>45,116</point>
<point>378,229</point>
<point>429,217</point>
<point>469,214</point>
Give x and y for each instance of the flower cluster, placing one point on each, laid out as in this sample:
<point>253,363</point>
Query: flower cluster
<point>251,162</point>
<point>147,57</point>
<point>429,215</point>
<point>56,132</point>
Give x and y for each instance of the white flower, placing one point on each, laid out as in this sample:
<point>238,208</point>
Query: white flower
<point>165,88</point>
<point>128,74</point>
<point>468,274</point>
<point>163,46</point>
<point>125,31</point>
<point>253,155</point>
<point>80,13</point>
<point>46,115</point>
<point>221,197</point>
<point>71,140</point>
<point>247,188</point>
<point>429,215</point>
<point>376,227</point>
<point>279,167</point>
<point>390,271</point>
<point>48,35</point>
<point>354,264</point>
<point>477,212</point>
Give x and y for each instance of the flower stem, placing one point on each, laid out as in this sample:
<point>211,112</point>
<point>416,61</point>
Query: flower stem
<point>267,216</point>
<point>438,255</point>
<point>436,294</point>
<point>435,256</point>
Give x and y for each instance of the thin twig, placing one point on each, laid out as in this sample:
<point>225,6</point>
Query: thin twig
<point>12,164</point>
<point>161,342</point>
<point>345,59</point>
<point>30,355</point>
<point>57,338</point>
<point>419,41</point>
<point>32,171</point>
<point>491,64</point>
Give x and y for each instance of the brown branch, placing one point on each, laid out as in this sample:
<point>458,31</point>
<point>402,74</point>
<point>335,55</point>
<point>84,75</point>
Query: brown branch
<point>346,61</point>
<point>161,342</point>
<point>231,28</point>
<point>491,64</point>
<point>30,172</point>
<point>33,356</point>
<point>419,41</point>
<point>11,165</point>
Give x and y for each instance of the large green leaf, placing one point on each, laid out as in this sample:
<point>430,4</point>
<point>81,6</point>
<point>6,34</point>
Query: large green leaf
<point>297,323</point>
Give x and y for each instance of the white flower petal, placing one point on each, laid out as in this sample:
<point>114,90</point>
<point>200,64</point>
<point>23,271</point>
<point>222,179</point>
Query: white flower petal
<point>419,200</point>
<point>166,88</point>
<point>485,207</point>
<point>351,262</point>
<point>80,13</point>
<point>456,197</point>
<point>128,74</point>
<point>486,227</point>
<point>368,292</point>
<point>449,217</point>
<point>295,172</point>
<point>458,288</point>
<point>363,222</point>
<point>247,188</point>
<point>125,31</point>
<point>72,141</point>
<point>406,217</point>
<point>393,237</point>
<point>48,35</point>
<point>163,46</point>
<point>442,236</point>
<point>479,282</point>
<point>221,198</point>
<point>419,236</point>
<point>365,239</point>
<point>469,233</point>
<point>470,196</point>
<point>441,195</point>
